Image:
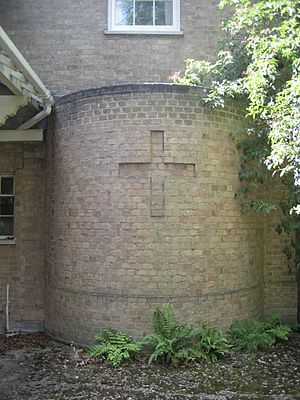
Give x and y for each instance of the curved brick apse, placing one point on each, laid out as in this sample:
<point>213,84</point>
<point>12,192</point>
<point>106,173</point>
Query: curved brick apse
<point>143,213</point>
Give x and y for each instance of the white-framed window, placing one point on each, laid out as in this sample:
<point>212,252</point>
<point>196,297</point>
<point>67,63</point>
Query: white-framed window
<point>7,200</point>
<point>144,16</point>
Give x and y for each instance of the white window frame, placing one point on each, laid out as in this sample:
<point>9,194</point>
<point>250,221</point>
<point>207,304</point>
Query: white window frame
<point>141,29</point>
<point>8,237</point>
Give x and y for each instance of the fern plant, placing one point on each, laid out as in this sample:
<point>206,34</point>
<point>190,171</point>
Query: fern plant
<point>213,344</point>
<point>252,335</point>
<point>115,347</point>
<point>173,343</point>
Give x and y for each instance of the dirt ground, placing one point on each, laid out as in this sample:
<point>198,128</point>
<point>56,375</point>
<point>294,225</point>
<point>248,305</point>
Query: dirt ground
<point>36,368</point>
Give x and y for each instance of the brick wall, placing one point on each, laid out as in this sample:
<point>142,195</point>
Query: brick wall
<point>64,42</point>
<point>22,263</point>
<point>142,210</point>
<point>280,279</point>
<point>105,144</point>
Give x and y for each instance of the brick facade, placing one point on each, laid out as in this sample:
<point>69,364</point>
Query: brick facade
<point>22,263</point>
<point>139,185</point>
<point>143,213</point>
<point>280,282</point>
<point>65,43</point>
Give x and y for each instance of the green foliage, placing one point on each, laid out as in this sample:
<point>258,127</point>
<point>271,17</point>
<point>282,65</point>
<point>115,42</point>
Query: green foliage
<point>251,335</point>
<point>173,343</point>
<point>115,346</point>
<point>259,62</point>
<point>164,321</point>
<point>170,341</point>
<point>212,344</point>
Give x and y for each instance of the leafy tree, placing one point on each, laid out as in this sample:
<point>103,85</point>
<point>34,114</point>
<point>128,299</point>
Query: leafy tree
<point>259,63</point>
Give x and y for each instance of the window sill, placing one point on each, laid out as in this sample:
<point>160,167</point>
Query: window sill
<point>165,33</point>
<point>7,241</point>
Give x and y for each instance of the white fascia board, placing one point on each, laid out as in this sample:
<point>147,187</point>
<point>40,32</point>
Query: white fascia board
<point>19,61</point>
<point>21,136</point>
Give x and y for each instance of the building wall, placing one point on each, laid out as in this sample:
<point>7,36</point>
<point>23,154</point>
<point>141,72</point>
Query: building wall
<point>113,257</point>
<point>64,42</point>
<point>280,279</point>
<point>22,263</point>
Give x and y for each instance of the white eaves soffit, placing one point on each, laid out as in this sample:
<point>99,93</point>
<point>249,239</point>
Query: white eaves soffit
<point>18,76</point>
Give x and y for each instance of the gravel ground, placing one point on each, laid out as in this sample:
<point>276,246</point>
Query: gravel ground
<point>33,367</point>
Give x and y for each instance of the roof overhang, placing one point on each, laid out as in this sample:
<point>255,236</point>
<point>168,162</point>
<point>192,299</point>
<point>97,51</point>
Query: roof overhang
<point>18,76</point>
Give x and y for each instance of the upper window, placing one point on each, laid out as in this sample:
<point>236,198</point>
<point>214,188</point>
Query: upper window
<point>144,16</point>
<point>6,207</point>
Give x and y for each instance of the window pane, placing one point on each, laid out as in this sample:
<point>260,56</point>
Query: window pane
<point>124,12</point>
<point>7,185</point>
<point>6,226</point>
<point>163,12</point>
<point>6,206</point>
<point>144,12</point>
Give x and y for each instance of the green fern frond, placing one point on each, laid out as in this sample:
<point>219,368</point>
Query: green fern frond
<point>164,320</point>
<point>212,344</point>
<point>115,346</point>
<point>173,343</point>
<point>281,332</point>
<point>96,350</point>
<point>252,335</point>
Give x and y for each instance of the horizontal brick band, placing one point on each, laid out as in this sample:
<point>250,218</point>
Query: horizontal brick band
<point>226,294</point>
<point>131,88</point>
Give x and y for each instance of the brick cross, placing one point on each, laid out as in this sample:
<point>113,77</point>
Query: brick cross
<point>157,171</point>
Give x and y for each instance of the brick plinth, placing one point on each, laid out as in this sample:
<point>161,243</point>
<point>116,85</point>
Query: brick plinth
<point>142,212</point>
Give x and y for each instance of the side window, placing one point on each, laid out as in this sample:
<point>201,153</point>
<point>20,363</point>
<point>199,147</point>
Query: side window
<point>147,16</point>
<point>7,199</point>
